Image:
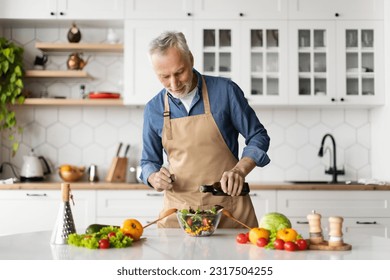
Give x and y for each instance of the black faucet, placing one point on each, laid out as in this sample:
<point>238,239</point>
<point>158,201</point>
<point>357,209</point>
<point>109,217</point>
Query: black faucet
<point>332,169</point>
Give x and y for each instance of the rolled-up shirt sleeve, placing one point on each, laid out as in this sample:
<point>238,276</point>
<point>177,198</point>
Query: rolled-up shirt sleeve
<point>249,126</point>
<point>152,152</point>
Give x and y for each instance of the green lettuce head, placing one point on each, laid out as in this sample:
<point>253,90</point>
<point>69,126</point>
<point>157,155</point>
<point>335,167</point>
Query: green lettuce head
<point>274,221</point>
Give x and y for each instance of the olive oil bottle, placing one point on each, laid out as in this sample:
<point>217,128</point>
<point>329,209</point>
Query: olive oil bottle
<point>216,189</point>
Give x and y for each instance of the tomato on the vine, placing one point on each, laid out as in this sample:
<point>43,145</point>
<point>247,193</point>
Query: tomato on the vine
<point>262,242</point>
<point>104,243</point>
<point>241,238</point>
<point>279,244</point>
<point>302,244</point>
<point>290,246</point>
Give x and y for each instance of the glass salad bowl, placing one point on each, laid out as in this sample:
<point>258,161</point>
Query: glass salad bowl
<point>199,222</point>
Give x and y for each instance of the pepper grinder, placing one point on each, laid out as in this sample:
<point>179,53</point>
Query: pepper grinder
<point>335,231</point>
<point>315,230</point>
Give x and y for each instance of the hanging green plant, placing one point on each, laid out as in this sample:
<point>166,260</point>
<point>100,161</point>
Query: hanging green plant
<point>11,86</point>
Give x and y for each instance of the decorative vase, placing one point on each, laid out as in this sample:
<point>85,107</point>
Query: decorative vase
<point>74,34</point>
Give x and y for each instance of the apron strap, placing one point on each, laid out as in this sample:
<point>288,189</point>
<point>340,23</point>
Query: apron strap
<point>205,96</point>
<point>167,118</point>
<point>167,111</point>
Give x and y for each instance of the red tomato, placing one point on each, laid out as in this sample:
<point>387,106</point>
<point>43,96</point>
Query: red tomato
<point>241,238</point>
<point>205,222</point>
<point>189,221</point>
<point>290,246</point>
<point>279,244</point>
<point>104,244</point>
<point>262,242</point>
<point>247,235</point>
<point>302,244</point>
<point>111,234</point>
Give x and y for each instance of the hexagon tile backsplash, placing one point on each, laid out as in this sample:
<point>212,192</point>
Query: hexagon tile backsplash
<point>90,135</point>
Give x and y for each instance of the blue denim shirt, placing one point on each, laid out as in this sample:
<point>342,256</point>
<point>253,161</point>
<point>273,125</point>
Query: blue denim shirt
<point>231,113</point>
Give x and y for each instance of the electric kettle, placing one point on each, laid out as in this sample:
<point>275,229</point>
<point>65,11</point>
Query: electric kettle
<point>32,168</point>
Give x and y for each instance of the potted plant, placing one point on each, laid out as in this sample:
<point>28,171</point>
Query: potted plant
<point>11,86</point>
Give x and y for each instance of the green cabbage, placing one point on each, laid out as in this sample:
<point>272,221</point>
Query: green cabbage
<point>274,221</point>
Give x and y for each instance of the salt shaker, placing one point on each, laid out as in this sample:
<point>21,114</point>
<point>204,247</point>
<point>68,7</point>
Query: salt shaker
<point>335,231</point>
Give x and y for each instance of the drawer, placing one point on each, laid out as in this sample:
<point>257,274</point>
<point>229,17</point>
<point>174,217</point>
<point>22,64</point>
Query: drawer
<point>334,203</point>
<point>129,204</point>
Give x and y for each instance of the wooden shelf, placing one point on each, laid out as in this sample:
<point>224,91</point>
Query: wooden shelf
<point>80,47</point>
<point>73,102</point>
<point>56,74</point>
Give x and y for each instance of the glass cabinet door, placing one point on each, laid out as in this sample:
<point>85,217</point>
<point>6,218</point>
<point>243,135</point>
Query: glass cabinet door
<point>360,68</point>
<point>313,62</point>
<point>264,63</point>
<point>216,50</point>
<point>361,71</point>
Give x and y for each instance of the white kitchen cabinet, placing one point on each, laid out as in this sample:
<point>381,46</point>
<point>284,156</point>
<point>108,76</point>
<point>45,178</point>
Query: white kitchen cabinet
<point>336,9</point>
<point>114,206</point>
<point>363,211</point>
<point>63,9</point>
<point>263,202</point>
<point>336,63</point>
<point>253,54</point>
<point>217,48</point>
<point>36,210</point>
<point>248,9</point>
<point>264,61</point>
<point>152,9</point>
<point>141,83</point>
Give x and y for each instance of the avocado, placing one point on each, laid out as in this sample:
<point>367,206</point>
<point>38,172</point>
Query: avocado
<point>94,228</point>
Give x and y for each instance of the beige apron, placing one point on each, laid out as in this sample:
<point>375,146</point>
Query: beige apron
<point>198,155</point>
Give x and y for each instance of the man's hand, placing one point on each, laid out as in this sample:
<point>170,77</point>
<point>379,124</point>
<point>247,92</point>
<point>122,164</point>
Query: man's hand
<point>161,180</point>
<point>233,180</point>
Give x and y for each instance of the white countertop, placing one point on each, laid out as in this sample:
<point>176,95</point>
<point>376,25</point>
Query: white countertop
<point>166,244</point>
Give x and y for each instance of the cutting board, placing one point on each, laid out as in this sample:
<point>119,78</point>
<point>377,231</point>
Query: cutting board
<point>96,95</point>
<point>324,246</point>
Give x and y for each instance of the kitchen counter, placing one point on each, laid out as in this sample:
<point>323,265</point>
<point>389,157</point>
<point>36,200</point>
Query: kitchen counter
<point>174,244</point>
<point>135,186</point>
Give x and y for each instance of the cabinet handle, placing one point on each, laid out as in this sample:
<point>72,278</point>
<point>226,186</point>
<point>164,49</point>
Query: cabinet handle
<point>342,99</point>
<point>333,99</point>
<point>302,223</point>
<point>366,223</point>
<point>62,13</point>
<point>52,13</point>
<point>154,194</point>
<point>336,14</point>
<point>241,14</point>
<point>189,14</point>
<point>36,194</point>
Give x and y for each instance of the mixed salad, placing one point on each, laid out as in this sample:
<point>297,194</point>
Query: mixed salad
<point>199,222</point>
<point>107,237</point>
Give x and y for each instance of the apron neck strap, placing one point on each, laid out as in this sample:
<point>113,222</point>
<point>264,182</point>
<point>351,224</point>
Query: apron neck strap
<point>167,111</point>
<point>167,117</point>
<point>205,95</point>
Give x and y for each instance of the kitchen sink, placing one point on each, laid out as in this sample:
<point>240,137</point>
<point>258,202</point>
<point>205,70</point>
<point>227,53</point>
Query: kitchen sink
<point>320,182</point>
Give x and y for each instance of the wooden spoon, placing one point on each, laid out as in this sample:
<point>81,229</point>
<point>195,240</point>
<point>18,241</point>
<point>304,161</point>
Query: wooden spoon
<point>229,215</point>
<point>165,214</point>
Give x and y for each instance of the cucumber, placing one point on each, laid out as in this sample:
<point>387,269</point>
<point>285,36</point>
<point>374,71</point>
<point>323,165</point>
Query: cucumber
<point>94,228</point>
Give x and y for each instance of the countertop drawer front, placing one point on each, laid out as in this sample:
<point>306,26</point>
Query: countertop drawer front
<point>340,203</point>
<point>130,204</point>
<point>36,210</point>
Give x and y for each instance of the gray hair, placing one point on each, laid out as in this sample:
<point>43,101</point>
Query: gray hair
<point>167,40</point>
